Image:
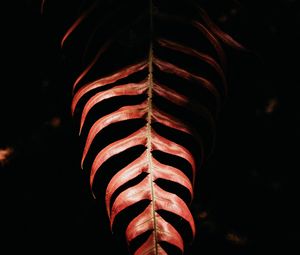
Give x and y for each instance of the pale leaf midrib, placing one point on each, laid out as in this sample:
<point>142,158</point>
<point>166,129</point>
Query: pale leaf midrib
<point>149,127</point>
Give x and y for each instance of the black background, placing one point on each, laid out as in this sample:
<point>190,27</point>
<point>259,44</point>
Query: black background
<point>249,188</point>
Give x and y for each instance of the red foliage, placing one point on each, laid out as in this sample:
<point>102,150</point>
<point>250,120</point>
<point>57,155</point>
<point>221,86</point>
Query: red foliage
<point>149,221</point>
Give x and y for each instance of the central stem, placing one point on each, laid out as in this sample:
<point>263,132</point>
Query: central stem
<point>149,127</point>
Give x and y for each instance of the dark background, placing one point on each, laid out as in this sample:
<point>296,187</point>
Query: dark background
<point>249,188</point>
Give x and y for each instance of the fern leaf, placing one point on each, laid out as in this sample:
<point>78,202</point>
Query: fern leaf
<point>177,103</point>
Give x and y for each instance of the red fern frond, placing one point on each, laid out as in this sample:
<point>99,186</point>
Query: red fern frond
<point>170,91</point>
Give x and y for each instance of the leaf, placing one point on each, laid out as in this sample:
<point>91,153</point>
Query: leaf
<point>178,104</point>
